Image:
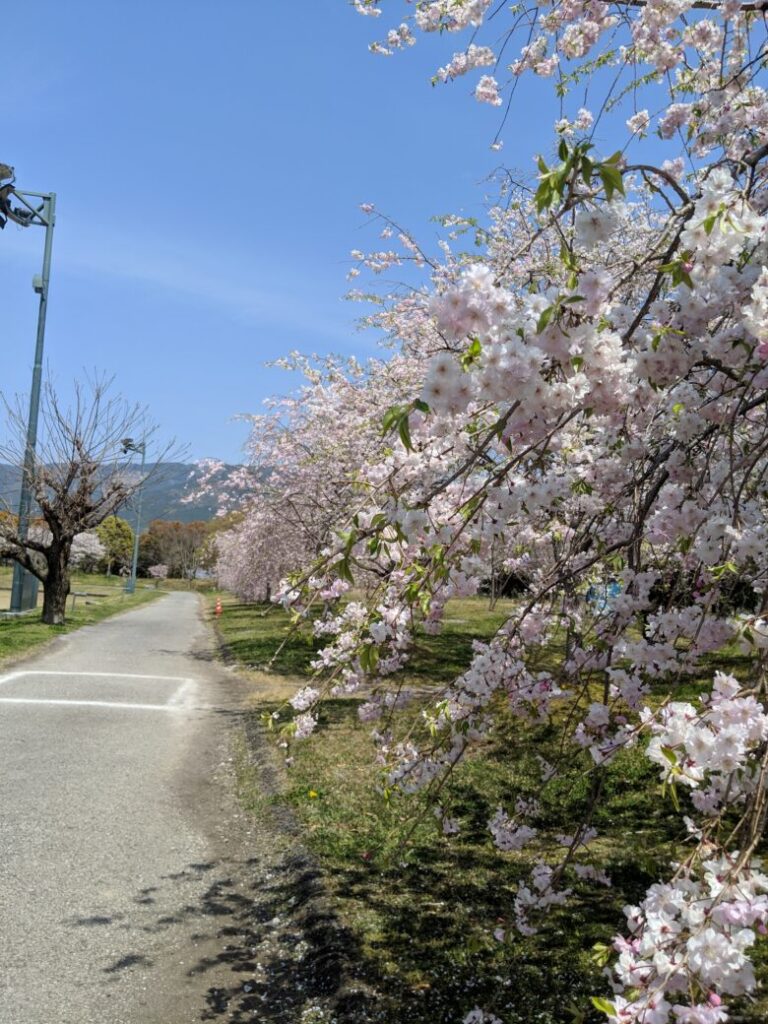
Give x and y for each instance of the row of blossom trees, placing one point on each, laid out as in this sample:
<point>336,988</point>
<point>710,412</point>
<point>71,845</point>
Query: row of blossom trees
<point>303,458</point>
<point>585,391</point>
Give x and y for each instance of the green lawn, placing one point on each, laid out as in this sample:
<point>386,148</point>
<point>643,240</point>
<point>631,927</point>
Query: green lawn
<point>101,585</point>
<point>423,907</point>
<point>93,598</point>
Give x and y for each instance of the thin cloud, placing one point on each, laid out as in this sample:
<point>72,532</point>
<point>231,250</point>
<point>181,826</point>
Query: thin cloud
<point>198,276</point>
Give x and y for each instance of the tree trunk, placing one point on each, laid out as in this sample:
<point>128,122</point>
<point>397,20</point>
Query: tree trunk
<point>56,586</point>
<point>494,593</point>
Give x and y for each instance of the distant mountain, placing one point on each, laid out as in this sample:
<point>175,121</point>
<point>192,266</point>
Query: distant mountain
<point>161,499</point>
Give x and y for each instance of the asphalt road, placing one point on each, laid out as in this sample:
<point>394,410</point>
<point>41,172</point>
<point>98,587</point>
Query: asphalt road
<point>116,812</point>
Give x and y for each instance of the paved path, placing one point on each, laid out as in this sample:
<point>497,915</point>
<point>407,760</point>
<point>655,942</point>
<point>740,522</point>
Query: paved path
<point>115,818</point>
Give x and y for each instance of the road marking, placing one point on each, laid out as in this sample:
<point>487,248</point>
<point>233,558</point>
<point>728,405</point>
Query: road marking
<point>91,704</point>
<point>92,675</point>
<point>181,699</point>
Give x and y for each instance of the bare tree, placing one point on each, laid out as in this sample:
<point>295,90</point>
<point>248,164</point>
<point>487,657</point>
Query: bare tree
<point>78,478</point>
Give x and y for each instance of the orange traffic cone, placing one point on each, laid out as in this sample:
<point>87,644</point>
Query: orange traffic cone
<point>218,606</point>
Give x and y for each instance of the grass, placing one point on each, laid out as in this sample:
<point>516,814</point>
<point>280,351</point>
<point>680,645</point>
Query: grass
<point>20,636</point>
<point>95,585</point>
<point>202,586</point>
<point>423,907</point>
<point>253,636</point>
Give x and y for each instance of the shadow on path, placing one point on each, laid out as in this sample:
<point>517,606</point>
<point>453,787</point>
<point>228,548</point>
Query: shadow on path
<point>259,943</point>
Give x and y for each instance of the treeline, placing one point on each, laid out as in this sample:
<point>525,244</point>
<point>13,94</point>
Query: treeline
<point>186,550</point>
<point>167,549</point>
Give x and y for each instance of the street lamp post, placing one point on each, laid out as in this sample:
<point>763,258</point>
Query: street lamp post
<point>129,445</point>
<point>36,208</point>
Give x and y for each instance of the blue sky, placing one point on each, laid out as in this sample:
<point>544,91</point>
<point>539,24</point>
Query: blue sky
<point>209,161</point>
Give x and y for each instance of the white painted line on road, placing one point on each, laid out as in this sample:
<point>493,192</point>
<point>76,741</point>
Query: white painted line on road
<point>90,704</point>
<point>92,675</point>
<point>182,698</point>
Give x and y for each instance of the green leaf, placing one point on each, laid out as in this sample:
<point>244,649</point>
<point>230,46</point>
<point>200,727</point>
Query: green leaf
<point>471,506</point>
<point>568,259</point>
<point>670,755</point>
<point>541,165</point>
<point>607,184</point>
<point>397,418</point>
<point>544,195</point>
<point>603,1005</point>
<point>369,658</point>
<point>601,954</point>
<point>612,180</point>
<point>343,570</point>
<point>562,150</point>
<point>559,179</point>
<point>391,418</point>
<point>718,571</point>
<point>472,354</point>
<point>545,318</point>
<point>404,430</point>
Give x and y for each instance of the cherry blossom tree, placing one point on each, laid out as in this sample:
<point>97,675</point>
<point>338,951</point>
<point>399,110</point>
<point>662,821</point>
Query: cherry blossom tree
<point>587,389</point>
<point>303,454</point>
<point>87,551</point>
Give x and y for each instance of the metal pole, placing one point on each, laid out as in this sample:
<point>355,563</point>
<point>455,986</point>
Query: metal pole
<point>24,587</point>
<point>131,585</point>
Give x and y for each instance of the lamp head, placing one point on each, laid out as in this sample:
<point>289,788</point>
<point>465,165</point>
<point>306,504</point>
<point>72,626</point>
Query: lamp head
<point>129,445</point>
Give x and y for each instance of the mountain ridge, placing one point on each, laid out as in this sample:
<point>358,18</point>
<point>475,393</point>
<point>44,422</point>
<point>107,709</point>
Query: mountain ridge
<point>163,493</point>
